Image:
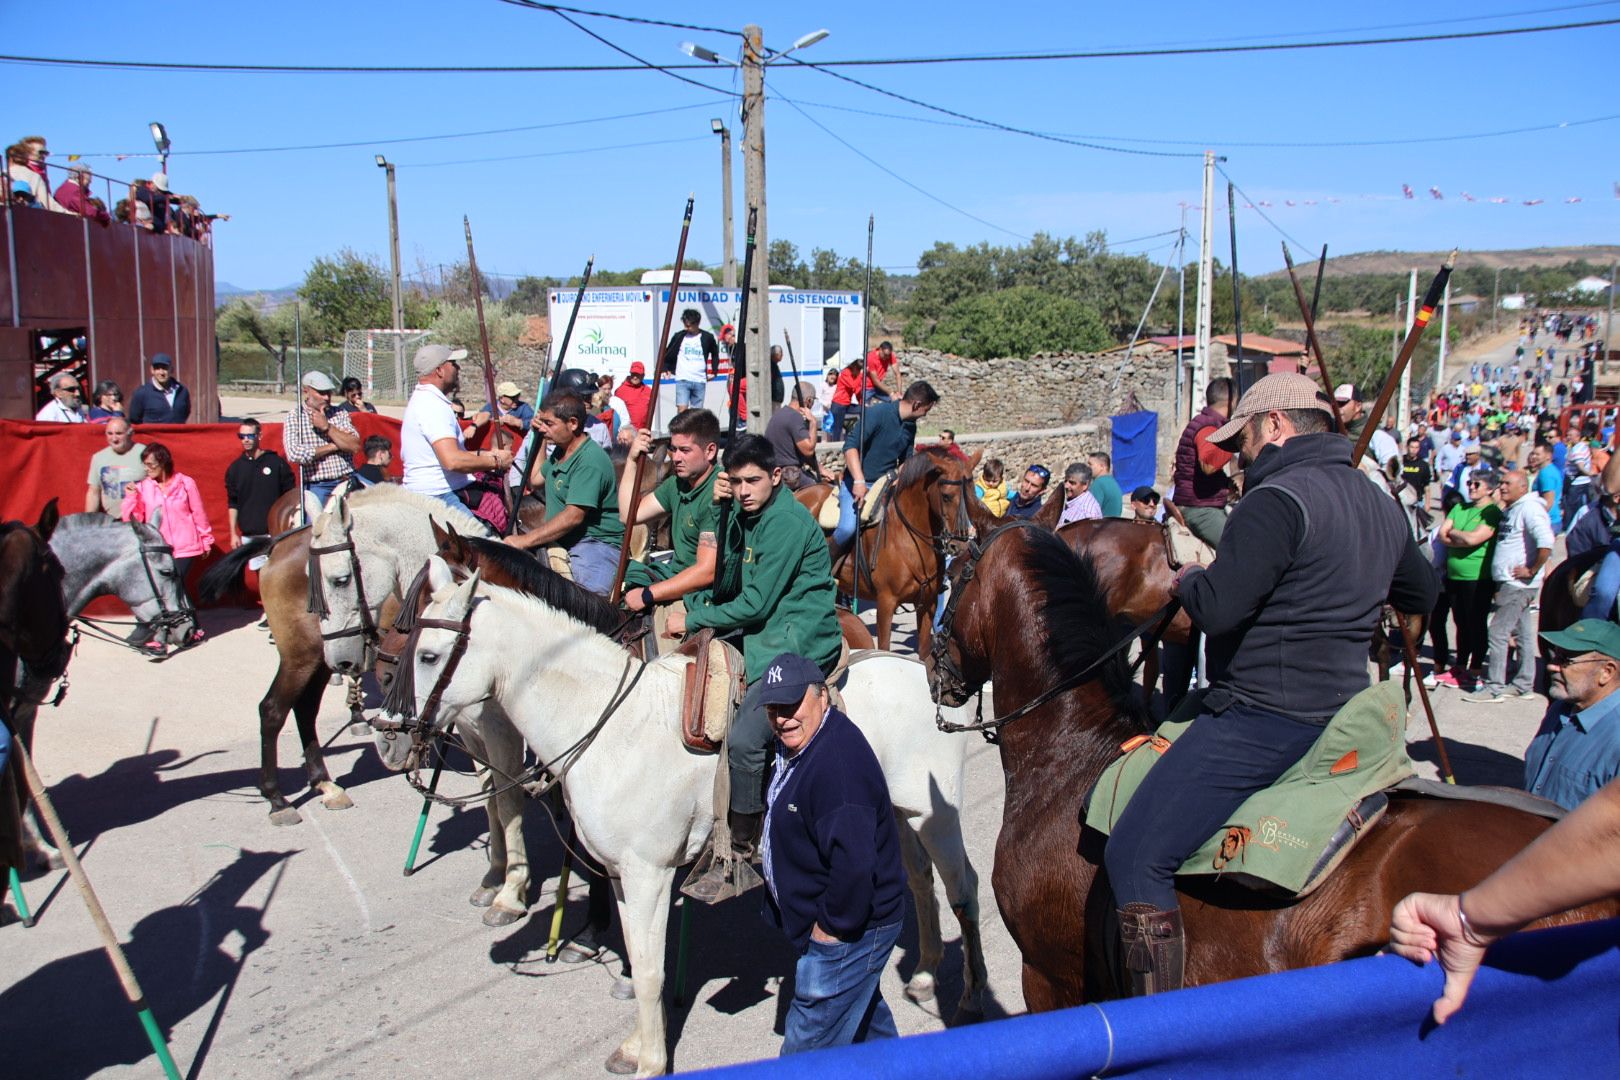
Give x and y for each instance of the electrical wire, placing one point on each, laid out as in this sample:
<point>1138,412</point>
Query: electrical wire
<point>626,52</point>
<point>886,61</point>
<point>869,159</point>
<point>1254,204</point>
<point>621,18</point>
<point>548,153</point>
<point>1149,236</point>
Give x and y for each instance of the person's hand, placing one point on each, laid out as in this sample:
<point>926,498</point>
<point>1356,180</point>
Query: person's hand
<point>1425,926</point>
<point>1181,575</point>
<point>633,599</point>
<point>317,417</point>
<point>641,443</point>
<point>502,458</point>
<point>480,418</point>
<point>722,487</point>
<point>236,539</point>
<point>818,934</point>
<point>858,489</point>
<point>1523,573</point>
<point>516,541</point>
<point>676,626</point>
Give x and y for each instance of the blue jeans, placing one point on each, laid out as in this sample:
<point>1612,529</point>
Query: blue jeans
<point>322,489</point>
<point>1214,767</point>
<point>5,746</point>
<point>594,563</point>
<point>1606,585</point>
<point>846,515</point>
<point>836,995</point>
<point>452,500</point>
<point>689,395</point>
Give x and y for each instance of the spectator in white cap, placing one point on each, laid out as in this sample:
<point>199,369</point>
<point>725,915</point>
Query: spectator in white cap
<point>154,195</point>
<point>1352,410</point>
<point>319,437</point>
<point>1456,485</point>
<point>64,406</point>
<point>437,461</point>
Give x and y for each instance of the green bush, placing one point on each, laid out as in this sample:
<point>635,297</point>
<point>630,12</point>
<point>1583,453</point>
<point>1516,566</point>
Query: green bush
<point>1020,321</point>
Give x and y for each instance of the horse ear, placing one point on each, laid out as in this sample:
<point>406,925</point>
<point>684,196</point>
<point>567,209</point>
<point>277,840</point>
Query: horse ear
<point>973,462</point>
<point>344,517</point>
<point>439,574</point>
<point>461,600</point>
<point>440,539</point>
<point>48,518</point>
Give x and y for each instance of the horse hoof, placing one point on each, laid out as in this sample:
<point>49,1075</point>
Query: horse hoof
<point>338,800</point>
<point>483,896</point>
<point>621,1064</point>
<point>623,990</point>
<point>500,916</point>
<point>920,989</point>
<point>285,816</point>
<point>575,952</point>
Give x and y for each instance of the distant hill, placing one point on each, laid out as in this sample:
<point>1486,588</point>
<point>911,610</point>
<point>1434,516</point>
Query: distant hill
<point>1398,262</point>
<point>224,290</point>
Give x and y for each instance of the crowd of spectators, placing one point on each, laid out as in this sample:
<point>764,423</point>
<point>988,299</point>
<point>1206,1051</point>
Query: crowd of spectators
<point>150,205</point>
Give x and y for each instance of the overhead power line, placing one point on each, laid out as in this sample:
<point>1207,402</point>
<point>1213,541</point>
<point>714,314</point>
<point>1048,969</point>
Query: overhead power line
<point>886,61</point>
<point>621,50</point>
<point>535,5</point>
<point>549,153</point>
<point>1255,204</point>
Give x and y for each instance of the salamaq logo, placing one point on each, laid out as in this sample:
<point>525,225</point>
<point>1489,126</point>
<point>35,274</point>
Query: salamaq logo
<point>591,345</point>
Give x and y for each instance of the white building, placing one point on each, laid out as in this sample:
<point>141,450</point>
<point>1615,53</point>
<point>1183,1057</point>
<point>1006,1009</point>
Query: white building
<point>1589,286</point>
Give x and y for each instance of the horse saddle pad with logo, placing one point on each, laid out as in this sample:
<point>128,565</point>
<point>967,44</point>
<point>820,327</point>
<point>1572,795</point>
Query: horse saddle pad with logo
<point>1185,547</point>
<point>1290,836</point>
<point>715,680</point>
<point>871,506</point>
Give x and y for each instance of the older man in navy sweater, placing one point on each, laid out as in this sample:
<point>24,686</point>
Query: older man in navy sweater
<point>834,881</point>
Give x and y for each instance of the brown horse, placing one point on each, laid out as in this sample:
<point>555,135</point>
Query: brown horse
<point>1033,612</point>
<point>1558,606</point>
<point>34,651</point>
<point>929,513</point>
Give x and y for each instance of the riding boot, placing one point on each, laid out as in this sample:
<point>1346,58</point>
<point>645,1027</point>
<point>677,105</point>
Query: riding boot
<point>745,829</point>
<point>725,868</point>
<point>1155,948</point>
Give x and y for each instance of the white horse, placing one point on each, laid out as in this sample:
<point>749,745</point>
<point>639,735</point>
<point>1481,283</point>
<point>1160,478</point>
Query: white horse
<point>642,803</point>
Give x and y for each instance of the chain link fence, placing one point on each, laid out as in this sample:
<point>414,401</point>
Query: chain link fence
<point>381,359</point>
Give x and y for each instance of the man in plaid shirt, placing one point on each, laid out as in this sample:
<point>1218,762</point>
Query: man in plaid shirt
<point>320,439</point>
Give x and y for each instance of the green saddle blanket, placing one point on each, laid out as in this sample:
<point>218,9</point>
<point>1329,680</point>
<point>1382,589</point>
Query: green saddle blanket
<point>1290,836</point>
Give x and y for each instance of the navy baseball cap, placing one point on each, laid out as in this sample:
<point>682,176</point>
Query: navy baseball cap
<point>161,360</point>
<point>787,678</point>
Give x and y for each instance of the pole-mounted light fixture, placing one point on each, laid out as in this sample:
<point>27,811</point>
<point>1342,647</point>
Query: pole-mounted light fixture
<point>717,126</point>
<point>160,137</point>
<point>382,162</point>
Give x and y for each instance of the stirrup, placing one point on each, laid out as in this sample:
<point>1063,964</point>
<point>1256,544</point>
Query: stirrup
<point>715,877</point>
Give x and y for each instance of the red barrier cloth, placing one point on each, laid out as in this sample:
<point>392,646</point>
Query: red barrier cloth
<point>45,461</point>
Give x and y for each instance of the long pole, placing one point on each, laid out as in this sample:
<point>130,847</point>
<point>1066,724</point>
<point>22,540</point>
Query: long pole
<point>1496,288</point>
<point>658,376</point>
<point>1608,322</point>
<point>1316,290</point>
<point>298,370</point>
<point>729,252</point>
<point>548,372</point>
<point>1206,281</point>
<point>1445,330</point>
<point>399,310</point>
<point>1181,311</point>
<point>1403,404</point>
<point>1311,341</point>
<point>757,331</point>
<point>1237,298</point>
<point>1430,299</point>
<point>98,915</point>
<point>860,415</point>
<point>498,436</point>
<point>739,352</point>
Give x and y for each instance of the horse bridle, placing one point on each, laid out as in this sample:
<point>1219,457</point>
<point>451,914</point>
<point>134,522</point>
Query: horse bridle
<point>948,675</point>
<point>364,627</point>
<point>167,618</point>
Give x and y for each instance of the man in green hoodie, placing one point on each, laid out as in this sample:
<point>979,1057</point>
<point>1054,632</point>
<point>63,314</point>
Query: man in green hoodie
<point>774,586</point>
<point>687,498</point>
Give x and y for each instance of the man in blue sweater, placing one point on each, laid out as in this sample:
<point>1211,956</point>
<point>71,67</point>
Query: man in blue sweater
<point>834,881</point>
<point>163,400</point>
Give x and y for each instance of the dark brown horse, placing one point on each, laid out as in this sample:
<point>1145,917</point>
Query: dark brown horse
<point>34,650</point>
<point>929,513</point>
<point>1034,612</point>
<point>1558,606</point>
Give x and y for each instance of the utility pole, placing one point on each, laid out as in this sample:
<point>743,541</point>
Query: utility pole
<point>1445,327</point>
<point>393,249</point>
<point>1496,288</point>
<point>1181,311</point>
<point>1608,322</point>
<point>757,334</point>
<point>729,259</point>
<point>1206,282</point>
<point>1403,408</point>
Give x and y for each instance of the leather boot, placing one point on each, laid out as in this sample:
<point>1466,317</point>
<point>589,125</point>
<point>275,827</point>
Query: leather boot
<point>1155,948</point>
<point>745,830</point>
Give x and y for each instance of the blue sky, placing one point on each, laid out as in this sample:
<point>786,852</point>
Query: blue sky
<point>544,214</point>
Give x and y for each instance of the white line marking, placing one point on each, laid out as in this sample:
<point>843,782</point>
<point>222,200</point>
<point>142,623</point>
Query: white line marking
<point>348,878</point>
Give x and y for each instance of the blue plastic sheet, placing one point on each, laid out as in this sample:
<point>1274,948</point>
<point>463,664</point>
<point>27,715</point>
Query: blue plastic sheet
<point>1136,450</point>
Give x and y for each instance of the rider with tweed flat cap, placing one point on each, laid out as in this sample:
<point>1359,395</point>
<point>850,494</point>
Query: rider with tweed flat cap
<point>1306,562</point>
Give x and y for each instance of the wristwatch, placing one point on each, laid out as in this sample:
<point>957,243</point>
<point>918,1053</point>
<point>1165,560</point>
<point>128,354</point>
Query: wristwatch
<point>646,596</point>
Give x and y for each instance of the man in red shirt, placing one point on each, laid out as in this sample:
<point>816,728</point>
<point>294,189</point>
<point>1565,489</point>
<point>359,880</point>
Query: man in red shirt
<point>849,382</point>
<point>1202,489</point>
<point>636,395</point>
<point>880,363</point>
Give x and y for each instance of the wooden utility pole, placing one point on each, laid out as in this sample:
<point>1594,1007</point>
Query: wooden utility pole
<point>1206,285</point>
<point>757,333</point>
<point>729,272</point>
<point>1403,406</point>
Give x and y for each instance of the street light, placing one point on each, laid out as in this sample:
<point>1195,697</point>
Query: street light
<point>393,246</point>
<point>757,334</point>
<point>160,139</point>
<point>729,250</point>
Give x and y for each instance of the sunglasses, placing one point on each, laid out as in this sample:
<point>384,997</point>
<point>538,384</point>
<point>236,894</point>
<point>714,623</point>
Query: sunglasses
<point>1560,658</point>
<point>1041,471</point>
<point>247,435</point>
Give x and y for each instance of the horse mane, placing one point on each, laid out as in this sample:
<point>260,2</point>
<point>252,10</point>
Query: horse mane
<point>388,494</point>
<point>547,586</point>
<point>916,468</point>
<point>1077,624</point>
<point>84,522</point>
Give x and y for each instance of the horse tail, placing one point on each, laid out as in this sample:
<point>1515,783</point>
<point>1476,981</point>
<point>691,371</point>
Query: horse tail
<point>226,574</point>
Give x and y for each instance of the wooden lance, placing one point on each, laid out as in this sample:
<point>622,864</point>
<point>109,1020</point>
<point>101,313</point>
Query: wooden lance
<point>498,438</point>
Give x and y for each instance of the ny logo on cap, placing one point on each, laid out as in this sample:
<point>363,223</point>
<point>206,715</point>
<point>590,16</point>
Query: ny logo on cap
<point>774,675</point>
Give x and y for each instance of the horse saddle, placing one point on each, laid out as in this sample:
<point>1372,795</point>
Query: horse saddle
<point>1184,546</point>
<point>715,681</point>
<point>871,507</point>
<point>1289,837</point>
<point>1580,585</point>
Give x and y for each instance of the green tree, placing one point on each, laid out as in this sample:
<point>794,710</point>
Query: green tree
<point>1020,321</point>
<point>345,292</point>
<point>530,295</point>
<point>456,325</point>
<point>252,319</point>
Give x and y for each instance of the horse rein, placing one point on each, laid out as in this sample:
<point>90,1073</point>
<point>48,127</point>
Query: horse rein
<point>167,618</point>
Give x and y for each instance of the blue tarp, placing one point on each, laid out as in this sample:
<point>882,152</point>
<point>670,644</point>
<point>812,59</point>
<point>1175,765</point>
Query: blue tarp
<point>1546,1005</point>
<point>1136,449</point>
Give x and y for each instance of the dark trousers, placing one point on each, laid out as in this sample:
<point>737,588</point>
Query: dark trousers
<point>1471,612</point>
<point>1439,636</point>
<point>1209,772</point>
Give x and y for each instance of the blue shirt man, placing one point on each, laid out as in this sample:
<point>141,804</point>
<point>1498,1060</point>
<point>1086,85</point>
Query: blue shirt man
<point>1577,749</point>
<point>1026,501</point>
<point>881,439</point>
<point>834,882</point>
<point>163,400</point>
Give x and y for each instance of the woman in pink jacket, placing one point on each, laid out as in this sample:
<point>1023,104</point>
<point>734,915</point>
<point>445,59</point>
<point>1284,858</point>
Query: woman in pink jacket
<point>170,500</point>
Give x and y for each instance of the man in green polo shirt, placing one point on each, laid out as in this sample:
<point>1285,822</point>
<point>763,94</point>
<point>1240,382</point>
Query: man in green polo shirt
<point>688,498</point>
<point>775,586</point>
<point>582,513</point>
<point>880,440</point>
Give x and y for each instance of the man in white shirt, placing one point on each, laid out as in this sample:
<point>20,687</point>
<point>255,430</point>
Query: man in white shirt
<point>1524,543</point>
<point>431,444</point>
<point>64,406</point>
<point>693,356</point>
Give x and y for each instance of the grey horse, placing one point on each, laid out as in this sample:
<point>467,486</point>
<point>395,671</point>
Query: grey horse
<point>103,556</point>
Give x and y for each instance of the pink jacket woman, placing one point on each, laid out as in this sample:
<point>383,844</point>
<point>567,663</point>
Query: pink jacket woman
<point>171,501</point>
